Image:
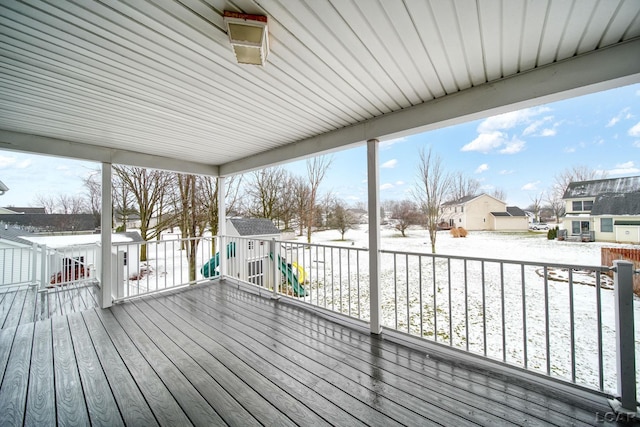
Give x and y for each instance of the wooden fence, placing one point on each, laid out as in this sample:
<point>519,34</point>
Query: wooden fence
<point>608,255</point>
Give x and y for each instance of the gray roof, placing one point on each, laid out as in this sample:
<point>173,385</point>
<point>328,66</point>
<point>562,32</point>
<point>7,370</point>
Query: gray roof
<point>254,226</point>
<point>629,184</point>
<point>461,200</point>
<point>617,204</point>
<point>515,211</point>
<point>500,214</point>
<point>3,187</point>
<point>14,234</point>
<point>27,210</point>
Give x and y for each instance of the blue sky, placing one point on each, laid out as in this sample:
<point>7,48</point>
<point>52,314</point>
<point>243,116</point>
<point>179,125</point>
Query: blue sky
<point>519,152</point>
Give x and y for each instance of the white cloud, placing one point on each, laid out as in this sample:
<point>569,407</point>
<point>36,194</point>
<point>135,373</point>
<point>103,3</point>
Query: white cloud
<point>399,182</point>
<point>635,130</point>
<point>482,168</point>
<point>389,164</point>
<point>506,172</point>
<point>530,186</point>
<point>548,132</point>
<point>384,145</point>
<point>636,144</point>
<point>570,150</point>
<point>386,186</point>
<point>624,169</point>
<point>624,114</point>
<point>485,142</point>
<point>533,127</point>
<point>510,120</point>
<point>6,161</point>
<point>512,147</point>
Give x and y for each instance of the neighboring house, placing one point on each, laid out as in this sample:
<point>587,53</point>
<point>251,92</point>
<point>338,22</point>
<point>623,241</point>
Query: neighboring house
<point>25,210</point>
<point>484,212</point>
<point>3,188</point>
<point>49,222</point>
<point>605,209</point>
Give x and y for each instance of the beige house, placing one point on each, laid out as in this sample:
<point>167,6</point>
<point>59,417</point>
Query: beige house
<point>484,212</point>
<point>606,210</point>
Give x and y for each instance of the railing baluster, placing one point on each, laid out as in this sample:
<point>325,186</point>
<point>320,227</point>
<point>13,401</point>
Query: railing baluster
<point>484,311</point>
<point>358,279</point>
<point>395,290</point>
<point>599,323</point>
<point>502,306</point>
<point>435,300</point>
<point>406,263</point>
<point>420,295</point>
<point>524,317</point>
<point>546,318</point>
<point>466,305</point>
<point>449,293</point>
<point>572,328</point>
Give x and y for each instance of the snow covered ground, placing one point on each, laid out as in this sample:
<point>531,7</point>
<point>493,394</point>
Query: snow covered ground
<point>488,315</point>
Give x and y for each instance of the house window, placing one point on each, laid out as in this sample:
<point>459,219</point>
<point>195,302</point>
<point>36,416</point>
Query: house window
<point>461,208</point>
<point>606,225</point>
<point>581,205</point>
<point>250,245</point>
<point>579,227</point>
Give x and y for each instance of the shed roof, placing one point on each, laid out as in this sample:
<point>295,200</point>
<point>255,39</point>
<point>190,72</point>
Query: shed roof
<point>254,226</point>
<point>593,188</point>
<point>14,234</point>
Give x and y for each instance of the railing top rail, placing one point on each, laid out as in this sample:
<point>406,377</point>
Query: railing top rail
<point>292,242</point>
<point>505,261</point>
<point>163,241</point>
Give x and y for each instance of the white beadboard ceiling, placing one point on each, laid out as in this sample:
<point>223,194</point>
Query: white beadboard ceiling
<point>154,83</point>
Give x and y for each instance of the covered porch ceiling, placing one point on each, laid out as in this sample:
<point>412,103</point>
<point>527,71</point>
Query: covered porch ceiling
<point>155,83</point>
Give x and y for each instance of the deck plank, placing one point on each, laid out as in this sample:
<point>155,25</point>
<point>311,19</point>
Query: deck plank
<point>190,400</point>
<point>6,342</point>
<point>450,391</point>
<point>13,391</point>
<point>133,407</point>
<point>301,414</point>
<point>8,295</point>
<point>41,400</point>
<point>161,402</point>
<point>367,401</point>
<point>246,396</point>
<point>338,354</point>
<point>29,309</point>
<point>15,311</point>
<point>71,407</point>
<point>323,400</point>
<point>101,405</point>
<point>230,410</point>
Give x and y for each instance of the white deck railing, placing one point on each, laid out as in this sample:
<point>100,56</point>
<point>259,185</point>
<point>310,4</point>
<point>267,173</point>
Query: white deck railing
<point>166,265</point>
<point>554,319</point>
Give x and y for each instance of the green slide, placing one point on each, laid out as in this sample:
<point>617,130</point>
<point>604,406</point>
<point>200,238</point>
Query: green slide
<point>209,269</point>
<point>292,279</point>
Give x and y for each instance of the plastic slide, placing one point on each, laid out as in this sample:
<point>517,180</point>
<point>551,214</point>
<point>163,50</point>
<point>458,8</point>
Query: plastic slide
<point>301,274</point>
<point>209,269</point>
<point>292,279</point>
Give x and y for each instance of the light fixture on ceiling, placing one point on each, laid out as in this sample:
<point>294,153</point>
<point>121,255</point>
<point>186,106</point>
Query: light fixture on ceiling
<point>249,37</point>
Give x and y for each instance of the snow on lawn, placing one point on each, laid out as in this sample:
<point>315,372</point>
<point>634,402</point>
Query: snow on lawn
<point>450,312</point>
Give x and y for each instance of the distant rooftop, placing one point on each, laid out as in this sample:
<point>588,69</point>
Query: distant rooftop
<point>26,210</point>
<point>3,188</point>
<point>617,204</point>
<point>629,184</point>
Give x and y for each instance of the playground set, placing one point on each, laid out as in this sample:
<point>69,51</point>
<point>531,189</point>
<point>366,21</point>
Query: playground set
<point>249,259</point>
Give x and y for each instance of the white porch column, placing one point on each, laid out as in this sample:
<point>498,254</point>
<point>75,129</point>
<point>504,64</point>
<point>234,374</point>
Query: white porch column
<point>373,184</point>
<point>105,230</point>
<point>222,226</point>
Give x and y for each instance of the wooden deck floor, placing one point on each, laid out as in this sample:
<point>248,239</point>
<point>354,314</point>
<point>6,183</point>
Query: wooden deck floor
<point>217,355</point>
<point>24,304</point>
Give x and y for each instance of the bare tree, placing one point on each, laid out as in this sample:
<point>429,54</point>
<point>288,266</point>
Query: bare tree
<point>301,193</point>
<point>209,187</point>
<point>406,213</point>
<point>536,205</point>
<point>47,202</point>
<point>462,185</point>
<point>499,194</point>
<point>316,171</point>
<point>264,192</point>
<point>93,188</point>
<point>431,190</point>
<point>342,219</point>
<point>148,188</point>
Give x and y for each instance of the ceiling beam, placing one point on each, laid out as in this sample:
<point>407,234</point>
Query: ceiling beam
<point>17,141</point>
<point>598,70</point>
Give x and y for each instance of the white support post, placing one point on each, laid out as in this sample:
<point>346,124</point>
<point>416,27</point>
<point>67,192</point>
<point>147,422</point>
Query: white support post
<point>625,339</point>
<point>222,227</point>
<point>274,248</point>
<point>44,267</point>
<point>105,230</point>
<point>373,183</point>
